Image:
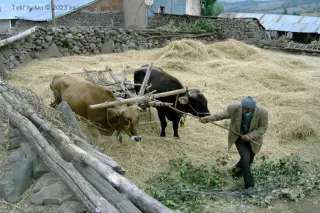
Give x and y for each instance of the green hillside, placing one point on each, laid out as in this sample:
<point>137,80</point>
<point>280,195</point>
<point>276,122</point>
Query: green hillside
<point>311,7</point>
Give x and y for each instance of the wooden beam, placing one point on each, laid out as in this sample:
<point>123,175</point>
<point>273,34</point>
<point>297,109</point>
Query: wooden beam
<point>138,197</point>
<point>118,103</point>
<point>145,80</point>
<point>170,93</point>
<point>60,137</point>
<point>74,180</point>
<point>89,75</point>
<point>83,144</point>
<point>139,99</point>
<point>124,78</point>
<point>67,116</point>
<point>123,87</point>
<point>118,200</point>
<point>17,37</point>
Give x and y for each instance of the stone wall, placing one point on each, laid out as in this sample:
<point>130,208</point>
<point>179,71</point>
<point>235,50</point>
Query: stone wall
<point>64,41</point>
<point>103,13</point>
<point>248,30</point>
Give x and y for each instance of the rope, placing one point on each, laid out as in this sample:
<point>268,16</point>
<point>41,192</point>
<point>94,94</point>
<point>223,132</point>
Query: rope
<point>212,123</point>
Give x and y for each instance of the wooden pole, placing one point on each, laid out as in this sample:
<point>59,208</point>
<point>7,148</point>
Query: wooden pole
<point>170,93</point>
<point>138,197</point>
<point>60,137</point>
<point>52,13</point>
<point>145,80</point>
<point>74,180</point>
<point>212,123</point>
<point>17,37</point>
<point>139,99</point>
<point>118,103</point>
<point>123,87</point>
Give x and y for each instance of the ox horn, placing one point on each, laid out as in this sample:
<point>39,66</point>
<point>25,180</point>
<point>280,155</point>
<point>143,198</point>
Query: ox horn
<point>203,89</point>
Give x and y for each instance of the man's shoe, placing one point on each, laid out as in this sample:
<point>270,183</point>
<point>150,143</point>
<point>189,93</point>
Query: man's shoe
<point>236,172</point>
<point>249,191</point>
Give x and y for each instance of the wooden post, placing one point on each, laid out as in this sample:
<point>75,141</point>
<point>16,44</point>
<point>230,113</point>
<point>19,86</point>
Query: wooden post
<point>145,80</point>
<point>52,13</point>
<point>123,87</point>
<point>124,77</point>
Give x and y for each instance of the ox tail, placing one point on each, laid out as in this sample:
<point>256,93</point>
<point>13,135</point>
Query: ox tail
<point>57,95</point>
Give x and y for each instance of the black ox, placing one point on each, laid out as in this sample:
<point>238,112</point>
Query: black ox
<point>193,101</point>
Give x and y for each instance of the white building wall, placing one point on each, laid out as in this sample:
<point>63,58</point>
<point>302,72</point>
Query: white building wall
<point>193,7</point>
<point>4,25</point>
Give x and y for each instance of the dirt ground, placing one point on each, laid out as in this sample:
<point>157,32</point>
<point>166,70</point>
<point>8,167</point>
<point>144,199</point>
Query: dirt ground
<point>308,204</point>
<point>227,81</point>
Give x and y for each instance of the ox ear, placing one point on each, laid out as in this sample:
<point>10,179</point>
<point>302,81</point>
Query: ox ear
<point>114,113</point>
<point>138,109</point>
<point>192,94</point>
<point>184,100</point>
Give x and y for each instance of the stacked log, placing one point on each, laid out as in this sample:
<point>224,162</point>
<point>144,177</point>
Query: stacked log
<point>92,179</point>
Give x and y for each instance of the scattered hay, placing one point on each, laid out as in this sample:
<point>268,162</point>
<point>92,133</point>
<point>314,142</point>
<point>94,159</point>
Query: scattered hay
<point>183,49</point>
<point>292,126</point>
<point>177,65</point>
<point>231,70</point>
<point>233,49</point>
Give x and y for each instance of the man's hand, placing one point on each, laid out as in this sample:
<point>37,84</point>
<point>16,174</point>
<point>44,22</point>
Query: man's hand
<point>205,119</point>
<point>245,137</point>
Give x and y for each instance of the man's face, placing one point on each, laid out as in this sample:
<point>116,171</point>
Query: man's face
<point>246,110</point>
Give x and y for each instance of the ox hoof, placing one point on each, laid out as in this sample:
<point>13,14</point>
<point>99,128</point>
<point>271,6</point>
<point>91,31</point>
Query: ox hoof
<point>136,138</point>
<point>177,138</point>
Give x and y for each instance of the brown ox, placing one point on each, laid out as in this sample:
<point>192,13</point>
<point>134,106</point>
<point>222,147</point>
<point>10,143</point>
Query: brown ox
<point>80,94</point>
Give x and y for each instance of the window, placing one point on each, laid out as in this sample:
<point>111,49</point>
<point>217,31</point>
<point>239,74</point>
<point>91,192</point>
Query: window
<point>13,22</point>
<point>161,9</point>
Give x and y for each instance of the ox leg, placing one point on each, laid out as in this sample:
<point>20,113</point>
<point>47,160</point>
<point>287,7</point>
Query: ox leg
<point>57,97</point>
<point>162,118</point>
<point>96,134</point>
<point>175,125</point>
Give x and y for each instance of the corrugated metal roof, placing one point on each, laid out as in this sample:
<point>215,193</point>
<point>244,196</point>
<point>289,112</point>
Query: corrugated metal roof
<point>279,22</point>
<point>38,10</point>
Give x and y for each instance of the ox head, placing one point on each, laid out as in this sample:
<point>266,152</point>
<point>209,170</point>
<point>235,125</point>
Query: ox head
<point>195,103</point>
<point>127,119</point>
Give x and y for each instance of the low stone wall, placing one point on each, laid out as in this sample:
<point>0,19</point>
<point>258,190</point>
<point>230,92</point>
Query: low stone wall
<point>248,30</point>
<point>64,41</point>
<point>79,18</point>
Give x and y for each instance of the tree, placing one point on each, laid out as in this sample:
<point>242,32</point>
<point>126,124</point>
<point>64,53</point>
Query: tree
<point>296,13</point>
<point>208,7</point>
<point>217,9</point>
<point>285,11</point>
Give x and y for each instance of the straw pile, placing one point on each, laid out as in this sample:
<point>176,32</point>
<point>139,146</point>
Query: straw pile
<point>285,85</point>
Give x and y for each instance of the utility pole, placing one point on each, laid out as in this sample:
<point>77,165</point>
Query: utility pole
<point>171,6</point>
<point>52,12</point>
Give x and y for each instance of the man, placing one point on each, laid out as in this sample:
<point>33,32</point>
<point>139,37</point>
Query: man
<point>251,121</point>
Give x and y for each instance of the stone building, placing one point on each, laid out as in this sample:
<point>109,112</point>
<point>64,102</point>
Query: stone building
<point>102,13</point>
